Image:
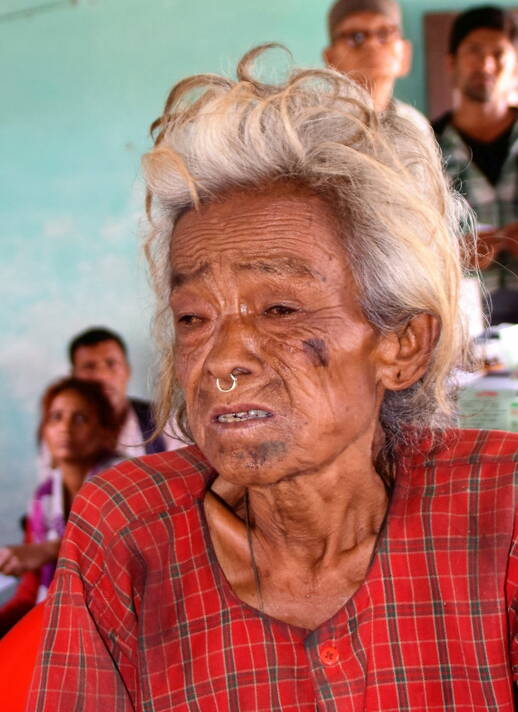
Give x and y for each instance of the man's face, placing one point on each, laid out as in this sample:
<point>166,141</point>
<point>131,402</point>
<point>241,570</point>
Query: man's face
<point>105,363</point>
<point>369,44</point>
<point>484,66</point>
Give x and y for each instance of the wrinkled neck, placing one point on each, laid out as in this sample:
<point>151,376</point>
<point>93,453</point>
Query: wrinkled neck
<point>317,516</point>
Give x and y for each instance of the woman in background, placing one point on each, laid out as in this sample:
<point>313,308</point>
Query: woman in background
<point>79,427</point>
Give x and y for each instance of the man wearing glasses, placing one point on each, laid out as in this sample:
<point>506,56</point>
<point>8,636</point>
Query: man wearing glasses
<point>366,42</point>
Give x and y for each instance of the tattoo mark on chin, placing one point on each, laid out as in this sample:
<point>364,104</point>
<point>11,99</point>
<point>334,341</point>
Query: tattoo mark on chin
<point>269,450</point>
<point>317,351</point>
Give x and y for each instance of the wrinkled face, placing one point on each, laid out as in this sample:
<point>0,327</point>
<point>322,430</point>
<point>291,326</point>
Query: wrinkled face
<point>105,363</point>
<point>71,430</point>
<point>484,66</point>
<point>261,289</point>
<point>368,44</point>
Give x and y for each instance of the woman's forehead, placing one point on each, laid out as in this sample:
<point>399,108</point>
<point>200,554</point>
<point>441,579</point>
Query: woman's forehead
<point>71,398</point>
<point>274,266</point>
<point>271,231</point>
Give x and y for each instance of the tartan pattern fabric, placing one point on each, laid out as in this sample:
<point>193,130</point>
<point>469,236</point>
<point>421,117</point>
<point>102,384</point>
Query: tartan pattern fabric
<point>141,617</point>
<point>494,205</point>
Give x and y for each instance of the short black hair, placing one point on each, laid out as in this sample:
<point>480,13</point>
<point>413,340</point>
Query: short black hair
<point>489,17</point>
<point>93,336</point>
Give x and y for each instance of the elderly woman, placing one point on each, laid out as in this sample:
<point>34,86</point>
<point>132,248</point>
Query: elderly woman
<point>327,543</point>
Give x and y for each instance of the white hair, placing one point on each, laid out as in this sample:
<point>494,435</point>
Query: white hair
<point>401,227</point>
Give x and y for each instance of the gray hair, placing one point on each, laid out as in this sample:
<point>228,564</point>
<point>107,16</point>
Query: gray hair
<point>400,225</point>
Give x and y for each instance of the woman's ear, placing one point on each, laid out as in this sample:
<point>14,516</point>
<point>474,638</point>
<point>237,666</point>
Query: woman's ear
<point>404,355</point>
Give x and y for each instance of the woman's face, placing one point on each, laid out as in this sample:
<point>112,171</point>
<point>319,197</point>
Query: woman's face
<point>72,431</point>
<point>261,289</point>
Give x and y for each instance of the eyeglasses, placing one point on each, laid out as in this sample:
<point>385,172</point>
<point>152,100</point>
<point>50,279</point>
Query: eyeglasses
<point>357,38</point>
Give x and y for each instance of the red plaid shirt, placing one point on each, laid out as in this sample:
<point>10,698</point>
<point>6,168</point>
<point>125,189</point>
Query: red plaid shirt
<point>142,618</point>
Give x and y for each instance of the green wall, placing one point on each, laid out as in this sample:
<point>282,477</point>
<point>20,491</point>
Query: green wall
<point>81,82</point>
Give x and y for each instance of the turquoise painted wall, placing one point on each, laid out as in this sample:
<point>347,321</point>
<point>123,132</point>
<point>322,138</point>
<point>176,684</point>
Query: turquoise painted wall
<point>81,82</point>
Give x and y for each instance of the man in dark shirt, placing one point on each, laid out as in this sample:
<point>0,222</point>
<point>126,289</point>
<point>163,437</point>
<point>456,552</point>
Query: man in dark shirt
<point>479,140</point>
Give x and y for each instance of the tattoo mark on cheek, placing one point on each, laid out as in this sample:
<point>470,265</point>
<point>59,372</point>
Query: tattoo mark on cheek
<point>316,349</point>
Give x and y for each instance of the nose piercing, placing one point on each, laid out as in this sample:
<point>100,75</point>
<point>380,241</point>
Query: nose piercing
<point>227,390</point>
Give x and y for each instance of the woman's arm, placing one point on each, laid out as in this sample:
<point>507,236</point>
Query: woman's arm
<point>17,560</point>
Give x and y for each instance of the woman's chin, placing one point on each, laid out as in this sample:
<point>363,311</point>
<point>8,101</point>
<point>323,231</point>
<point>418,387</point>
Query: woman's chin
<point>259,463</point>
<point>72,459</point>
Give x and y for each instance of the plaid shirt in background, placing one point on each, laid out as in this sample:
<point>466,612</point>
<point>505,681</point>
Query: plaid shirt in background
<point>142,617</point>
<point>494,205</point>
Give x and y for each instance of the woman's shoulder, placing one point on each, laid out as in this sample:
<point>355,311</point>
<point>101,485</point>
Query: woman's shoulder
<point>465,455</point>
<point>146,486</point>
<point>476,446</point>
<point>47,486</point>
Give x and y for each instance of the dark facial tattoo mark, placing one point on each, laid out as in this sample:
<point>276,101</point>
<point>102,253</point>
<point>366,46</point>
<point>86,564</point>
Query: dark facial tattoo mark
<point>268,450</point>
<point>317,351</point>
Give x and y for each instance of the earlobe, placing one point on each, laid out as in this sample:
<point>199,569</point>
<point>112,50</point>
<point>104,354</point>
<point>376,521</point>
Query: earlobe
<point>405,355</point>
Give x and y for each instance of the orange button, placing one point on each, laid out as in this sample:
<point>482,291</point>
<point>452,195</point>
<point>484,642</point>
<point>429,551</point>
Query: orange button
<point>329,654</point>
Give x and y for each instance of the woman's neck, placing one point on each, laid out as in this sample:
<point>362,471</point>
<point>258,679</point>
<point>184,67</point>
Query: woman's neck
<point>301,548</point>
<point>317,516</point>
<point>73,474</point>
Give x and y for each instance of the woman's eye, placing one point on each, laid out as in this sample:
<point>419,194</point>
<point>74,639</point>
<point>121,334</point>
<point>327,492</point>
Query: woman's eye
<point>80,418</point>
<point>189,320</point>
<point>280,310</point>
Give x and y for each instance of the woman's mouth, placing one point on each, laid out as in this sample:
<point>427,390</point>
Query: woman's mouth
<point>239,416</point>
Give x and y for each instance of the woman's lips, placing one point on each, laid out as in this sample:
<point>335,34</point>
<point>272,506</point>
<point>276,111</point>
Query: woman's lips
<point>243,415</point>
<point>240,413</point>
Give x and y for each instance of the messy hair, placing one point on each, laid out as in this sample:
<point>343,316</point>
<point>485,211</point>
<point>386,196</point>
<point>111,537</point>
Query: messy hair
<point>402,229</point>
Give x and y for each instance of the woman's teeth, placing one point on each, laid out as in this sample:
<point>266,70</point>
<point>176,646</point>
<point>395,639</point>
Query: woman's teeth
<point>242,415</point>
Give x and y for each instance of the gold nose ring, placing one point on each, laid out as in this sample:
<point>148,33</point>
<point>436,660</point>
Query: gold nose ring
<point>227,390</point>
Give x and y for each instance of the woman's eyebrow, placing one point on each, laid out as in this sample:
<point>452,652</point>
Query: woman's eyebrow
<point>279,266</point>
<point>177,279</point>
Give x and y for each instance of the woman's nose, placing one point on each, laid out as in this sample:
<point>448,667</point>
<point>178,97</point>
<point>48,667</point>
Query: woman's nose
<point>234,349</point>
<point>63,425</point>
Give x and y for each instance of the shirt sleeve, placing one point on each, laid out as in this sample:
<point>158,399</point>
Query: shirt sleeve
<point>87,660</point>
<point>512,599</point>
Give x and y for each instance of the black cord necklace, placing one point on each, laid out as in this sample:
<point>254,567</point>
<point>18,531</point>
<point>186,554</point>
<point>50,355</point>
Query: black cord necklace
<point>255,568</point>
